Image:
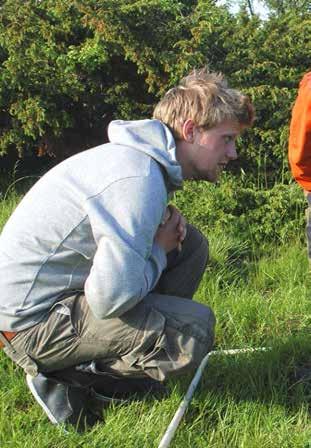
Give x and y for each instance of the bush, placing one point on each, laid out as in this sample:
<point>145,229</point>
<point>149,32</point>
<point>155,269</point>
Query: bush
<point>68,68</point>
<point>236,208</point>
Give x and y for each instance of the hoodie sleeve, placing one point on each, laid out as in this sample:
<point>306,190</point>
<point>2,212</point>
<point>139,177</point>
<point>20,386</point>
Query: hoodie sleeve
<point>128,263</point>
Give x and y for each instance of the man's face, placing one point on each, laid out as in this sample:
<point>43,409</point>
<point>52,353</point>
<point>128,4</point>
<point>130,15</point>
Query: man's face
<point>210,151</point>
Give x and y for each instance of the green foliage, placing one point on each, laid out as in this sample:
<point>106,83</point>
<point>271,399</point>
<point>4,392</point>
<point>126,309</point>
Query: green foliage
<point>59,84</point>
<point>282,47</point>
<point>234,207</point>
<point>280,7</point>
<point>68,68</point>
<point>32,82</point>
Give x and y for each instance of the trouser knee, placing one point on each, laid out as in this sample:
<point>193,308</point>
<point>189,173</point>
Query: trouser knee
<point>170,344</point>
<point>185,269</point>
<point>200,350</point>
<point>193,341</point>
<point>202,346</point>
<point>198,243</point>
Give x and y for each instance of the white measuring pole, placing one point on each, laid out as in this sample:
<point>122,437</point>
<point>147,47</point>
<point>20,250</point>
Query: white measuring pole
<point>171,429</point>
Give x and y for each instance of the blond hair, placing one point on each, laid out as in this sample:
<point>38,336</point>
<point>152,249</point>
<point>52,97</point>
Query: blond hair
<point>205,98</point>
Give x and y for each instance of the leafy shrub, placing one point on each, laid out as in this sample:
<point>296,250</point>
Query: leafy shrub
<point>68,68</point>
<point>237,208</point>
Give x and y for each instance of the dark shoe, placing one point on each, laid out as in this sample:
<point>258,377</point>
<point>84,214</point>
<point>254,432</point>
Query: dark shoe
<point>65,403</point>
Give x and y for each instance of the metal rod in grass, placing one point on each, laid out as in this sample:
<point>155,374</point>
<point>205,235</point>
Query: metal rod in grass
<point>171,429</point>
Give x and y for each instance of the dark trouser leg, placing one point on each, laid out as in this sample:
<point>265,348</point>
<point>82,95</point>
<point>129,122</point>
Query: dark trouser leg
<point>185,269</point>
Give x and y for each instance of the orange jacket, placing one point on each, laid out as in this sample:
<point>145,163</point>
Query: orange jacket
<point>299,148</point>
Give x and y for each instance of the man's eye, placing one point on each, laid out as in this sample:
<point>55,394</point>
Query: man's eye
<point>228,138</point>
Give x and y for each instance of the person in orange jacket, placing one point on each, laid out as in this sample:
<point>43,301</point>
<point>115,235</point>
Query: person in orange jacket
<point>299,149</point>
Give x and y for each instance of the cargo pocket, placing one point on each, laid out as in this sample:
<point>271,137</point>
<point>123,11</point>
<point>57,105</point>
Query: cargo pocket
<point>149,346</point>
<point>165,347</point>
<point>52,342</point>
<point>171,346</point>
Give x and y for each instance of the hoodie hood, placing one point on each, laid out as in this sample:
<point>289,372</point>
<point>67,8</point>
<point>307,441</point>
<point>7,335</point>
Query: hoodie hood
<point>153,138</point>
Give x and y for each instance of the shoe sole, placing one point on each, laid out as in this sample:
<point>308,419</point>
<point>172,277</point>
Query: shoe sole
<point>39,400</point>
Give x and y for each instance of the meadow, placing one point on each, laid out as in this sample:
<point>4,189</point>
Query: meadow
<point>258,284</point>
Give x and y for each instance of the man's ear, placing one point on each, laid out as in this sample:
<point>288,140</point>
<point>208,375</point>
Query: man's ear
<point>188,130</point>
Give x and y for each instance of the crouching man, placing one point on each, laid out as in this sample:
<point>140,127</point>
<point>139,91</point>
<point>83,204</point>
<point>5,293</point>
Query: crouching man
<point>97,272</point>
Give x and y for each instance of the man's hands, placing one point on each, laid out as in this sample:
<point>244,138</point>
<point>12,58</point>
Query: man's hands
<point>172,231</point>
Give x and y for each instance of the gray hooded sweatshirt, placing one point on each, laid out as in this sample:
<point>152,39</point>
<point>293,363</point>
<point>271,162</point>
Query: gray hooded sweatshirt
<point>89,225</point>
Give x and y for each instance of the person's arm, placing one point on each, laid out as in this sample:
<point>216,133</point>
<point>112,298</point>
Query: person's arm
<point>299,148</point>
<point>128,261</point>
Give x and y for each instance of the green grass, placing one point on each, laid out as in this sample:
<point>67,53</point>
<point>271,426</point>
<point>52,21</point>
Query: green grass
<point>261,297</point>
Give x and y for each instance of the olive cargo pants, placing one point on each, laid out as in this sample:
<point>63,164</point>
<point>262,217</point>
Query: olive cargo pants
<point>165,334</point>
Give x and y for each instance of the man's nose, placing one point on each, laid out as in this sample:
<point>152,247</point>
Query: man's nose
<point>232,153</point>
